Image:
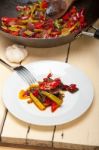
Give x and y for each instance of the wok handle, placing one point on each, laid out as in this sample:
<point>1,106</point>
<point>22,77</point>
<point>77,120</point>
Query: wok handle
<point>95,35</point>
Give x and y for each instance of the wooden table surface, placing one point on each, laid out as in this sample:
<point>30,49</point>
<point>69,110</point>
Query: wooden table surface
<point>82,133</point>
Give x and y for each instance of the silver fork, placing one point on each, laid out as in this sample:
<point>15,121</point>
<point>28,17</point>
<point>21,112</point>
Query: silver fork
<point>23,72</point>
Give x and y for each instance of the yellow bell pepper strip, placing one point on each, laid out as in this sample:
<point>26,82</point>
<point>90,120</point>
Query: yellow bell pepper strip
<point>33,8</point>
<point>66,31</point>
<point>19,26</point>
<point>22,95</point>
<point>28,33</point>
<point>52,97</point>
<point>34,85</point>
<point>38,30</point>
<point>37,102</point>
<point>12,28</point>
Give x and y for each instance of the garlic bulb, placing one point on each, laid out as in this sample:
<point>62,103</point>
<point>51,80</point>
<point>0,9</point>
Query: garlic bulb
<point>16,53</point>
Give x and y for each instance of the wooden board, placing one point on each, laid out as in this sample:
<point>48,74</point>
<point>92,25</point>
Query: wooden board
<point>2,108</point>
<point>3,76</point>
<point>9,148</point>
<point>14,131</point>
<point>8,124</point>
<point>84,131</point>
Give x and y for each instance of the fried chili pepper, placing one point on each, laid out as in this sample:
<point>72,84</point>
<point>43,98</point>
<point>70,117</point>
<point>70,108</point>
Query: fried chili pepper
<point>32,22</point>
<point>8,21</point>
<point>44,4</point>
<point>38,25</point>
<point>54,107</point>
<point>48,93</point>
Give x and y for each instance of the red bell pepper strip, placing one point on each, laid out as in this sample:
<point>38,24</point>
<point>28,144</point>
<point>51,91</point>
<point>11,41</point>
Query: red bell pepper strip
<point>44,4</point>
<point>54,107</point>
<point>47,102</point>
<point>38,25</point>
<point>8,21</point>
<point>15,33</point>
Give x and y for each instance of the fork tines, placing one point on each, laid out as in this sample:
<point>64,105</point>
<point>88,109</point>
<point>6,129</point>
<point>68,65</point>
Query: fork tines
<point>25,74</point>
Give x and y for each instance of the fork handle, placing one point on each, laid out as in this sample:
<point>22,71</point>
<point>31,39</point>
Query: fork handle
<point>7,65</point>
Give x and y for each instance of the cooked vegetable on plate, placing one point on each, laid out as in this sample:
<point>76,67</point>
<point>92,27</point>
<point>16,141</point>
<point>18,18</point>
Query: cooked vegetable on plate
<point>47,93</point>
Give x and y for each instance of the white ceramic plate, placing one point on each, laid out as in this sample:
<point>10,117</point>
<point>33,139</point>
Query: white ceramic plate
<point>74,105</point>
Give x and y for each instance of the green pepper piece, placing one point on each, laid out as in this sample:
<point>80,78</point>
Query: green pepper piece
<point>38,30</point>
<point>39,1</point>
<point>52,97</point>
<point>28,32</point>
<point>57,24</point>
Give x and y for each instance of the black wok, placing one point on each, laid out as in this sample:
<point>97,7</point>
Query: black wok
<point>7,8</point>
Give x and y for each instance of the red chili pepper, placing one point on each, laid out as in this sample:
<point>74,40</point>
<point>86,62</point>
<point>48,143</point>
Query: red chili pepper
<point>82,19</point>
<point>37,35</point>
<point>48,85</point>
<point>73,10</point>
<point>7,20</point>
<point>72,88</point>
<point>15,33</point>
<point>54,84</point>
<point>70,24</point>
<point>27,93</point>
<point>36,93</point>
<point>54,107</point>
<point>38,25</point>
<point>66,16</point>
<point>47,102</point>
<point>55,33</point>
<point>65,87</point>
<point>49,75</point>
<point>58,80</point>
<point>49,24</point>
<point>44,4</point>
<point>47,78</point>
<point>42,17</point>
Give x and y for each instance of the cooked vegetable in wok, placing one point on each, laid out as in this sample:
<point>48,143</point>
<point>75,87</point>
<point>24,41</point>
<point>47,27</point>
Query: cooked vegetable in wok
<point>32,22</point>
<point>48,93</point>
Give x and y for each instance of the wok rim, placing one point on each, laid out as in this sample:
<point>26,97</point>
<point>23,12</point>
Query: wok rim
<point>41,39</point>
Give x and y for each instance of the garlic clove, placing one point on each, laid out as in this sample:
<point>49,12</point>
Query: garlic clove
<point>16,53</point>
